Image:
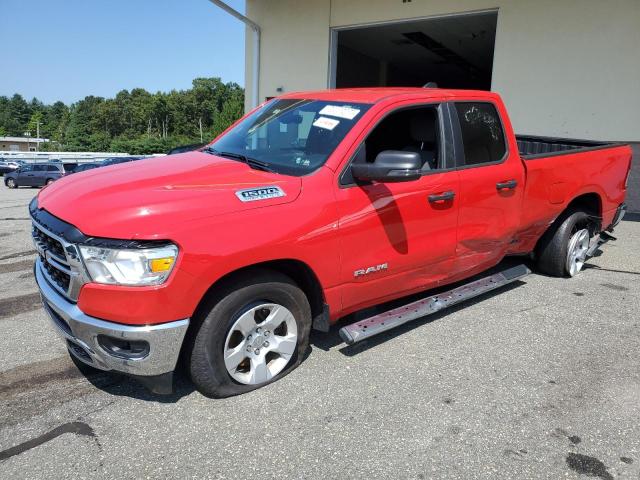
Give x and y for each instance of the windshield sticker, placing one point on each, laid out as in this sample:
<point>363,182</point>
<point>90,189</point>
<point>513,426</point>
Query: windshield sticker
<point>344,111</point>
<point>261,193</point>
<point>326,123</point>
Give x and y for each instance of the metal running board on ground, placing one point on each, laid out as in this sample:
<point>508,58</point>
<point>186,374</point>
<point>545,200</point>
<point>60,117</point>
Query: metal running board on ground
<point>598,241</point>
<point>363,329</point>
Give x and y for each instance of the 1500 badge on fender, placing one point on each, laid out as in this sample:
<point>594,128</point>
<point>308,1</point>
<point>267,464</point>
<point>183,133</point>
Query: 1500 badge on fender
<point>262,193</point>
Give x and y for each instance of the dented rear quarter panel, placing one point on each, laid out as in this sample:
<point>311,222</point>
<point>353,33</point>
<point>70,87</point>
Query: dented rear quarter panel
<point>553,182</point>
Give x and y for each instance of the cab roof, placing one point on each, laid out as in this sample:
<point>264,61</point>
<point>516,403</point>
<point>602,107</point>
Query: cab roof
<point>378,94</point>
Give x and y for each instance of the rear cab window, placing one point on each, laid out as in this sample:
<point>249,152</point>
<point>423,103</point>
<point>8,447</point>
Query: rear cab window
<point>482,133</point>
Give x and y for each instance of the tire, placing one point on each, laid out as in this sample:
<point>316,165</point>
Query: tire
<point>237,319</point>
<point>552,253</point>
<point>11,183</point>
<point>49,181</point>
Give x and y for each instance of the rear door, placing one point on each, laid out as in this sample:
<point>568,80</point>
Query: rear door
<point>53,171</point>
<point>491,185</point>
<point>40,172</point>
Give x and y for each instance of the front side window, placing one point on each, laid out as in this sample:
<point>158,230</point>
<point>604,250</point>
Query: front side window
<point>482,133</point>
<point>411,130</point>
<point>293,137</point>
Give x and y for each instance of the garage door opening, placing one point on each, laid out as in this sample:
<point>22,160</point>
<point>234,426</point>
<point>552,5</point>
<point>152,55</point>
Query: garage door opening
<point>454,51</point>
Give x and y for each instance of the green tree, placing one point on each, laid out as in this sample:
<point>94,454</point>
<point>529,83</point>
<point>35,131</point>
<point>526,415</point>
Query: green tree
<point>133,121</point>
<point>35,123</point>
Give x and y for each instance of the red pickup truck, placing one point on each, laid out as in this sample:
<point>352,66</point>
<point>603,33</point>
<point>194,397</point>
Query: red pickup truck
<point>313,206</point>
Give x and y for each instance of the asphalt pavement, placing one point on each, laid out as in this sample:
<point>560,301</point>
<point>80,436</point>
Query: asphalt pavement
<point>538,380</point>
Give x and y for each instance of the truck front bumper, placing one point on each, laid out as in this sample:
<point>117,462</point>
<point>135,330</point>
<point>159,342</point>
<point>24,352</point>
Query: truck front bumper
<point>139,351</point>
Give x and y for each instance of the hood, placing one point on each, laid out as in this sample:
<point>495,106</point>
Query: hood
<point>146,199</point>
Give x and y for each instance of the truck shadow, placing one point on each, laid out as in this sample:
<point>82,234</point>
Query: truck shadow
<point>327,341</point>
<point>122,386</point>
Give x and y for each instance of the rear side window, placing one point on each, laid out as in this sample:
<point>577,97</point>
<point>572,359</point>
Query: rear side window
<point>39,168</point>
<point>53,168</point>
<point>482,133</point>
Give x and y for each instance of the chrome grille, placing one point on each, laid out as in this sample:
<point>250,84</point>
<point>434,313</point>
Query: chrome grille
<point>59,262</point>
<point>53,260</point>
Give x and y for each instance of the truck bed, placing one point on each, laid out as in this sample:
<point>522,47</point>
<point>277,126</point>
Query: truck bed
<point>557,177</point>
<point>531,147</point>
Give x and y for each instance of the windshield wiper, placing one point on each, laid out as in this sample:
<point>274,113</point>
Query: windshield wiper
<point>252,162</point>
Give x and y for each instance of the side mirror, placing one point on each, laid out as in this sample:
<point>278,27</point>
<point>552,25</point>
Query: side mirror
<point>389,166</point>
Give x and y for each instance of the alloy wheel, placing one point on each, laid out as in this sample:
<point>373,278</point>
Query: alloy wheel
<point>260,343</point>
<point>577,251</point>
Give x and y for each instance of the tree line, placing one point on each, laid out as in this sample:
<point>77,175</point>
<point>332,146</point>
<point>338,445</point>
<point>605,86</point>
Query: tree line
<point>136,121</point>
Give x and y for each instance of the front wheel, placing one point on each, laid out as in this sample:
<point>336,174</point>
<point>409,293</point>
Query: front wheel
<point>562,250</point>
<point>255,331</point>
<point>11,183</point>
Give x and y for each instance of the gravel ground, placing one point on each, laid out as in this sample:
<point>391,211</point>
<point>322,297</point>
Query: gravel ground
<point>539,380</point>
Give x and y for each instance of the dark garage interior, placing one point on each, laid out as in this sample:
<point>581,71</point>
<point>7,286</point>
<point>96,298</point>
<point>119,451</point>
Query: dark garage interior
<point>453,51</point>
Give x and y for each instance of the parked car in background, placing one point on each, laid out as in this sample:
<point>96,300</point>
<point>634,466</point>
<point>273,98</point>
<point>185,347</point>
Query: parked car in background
<point>83,167</point>
<point>34,175</point>
<point>116,160</point>
<point>8,166</point>
<point>5,167</point>
<point>70,167</point>
<point>186,148</point>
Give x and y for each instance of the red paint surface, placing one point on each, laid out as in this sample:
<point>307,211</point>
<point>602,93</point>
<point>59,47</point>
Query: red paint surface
<point>190,199</point>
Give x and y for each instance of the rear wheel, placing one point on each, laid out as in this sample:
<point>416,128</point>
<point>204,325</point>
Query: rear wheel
<point>11,183</point>
<point>562,251</point>
<point>253,332</point>
<point>49,181</point>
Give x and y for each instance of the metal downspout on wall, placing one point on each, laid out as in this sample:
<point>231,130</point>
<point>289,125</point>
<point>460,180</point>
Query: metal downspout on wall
<point>255,81</point>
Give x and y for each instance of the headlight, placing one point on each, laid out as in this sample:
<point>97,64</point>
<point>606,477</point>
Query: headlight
<point>147,266</point>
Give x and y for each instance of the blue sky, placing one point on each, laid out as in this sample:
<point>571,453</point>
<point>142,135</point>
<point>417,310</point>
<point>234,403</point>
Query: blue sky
<point>67,49</point>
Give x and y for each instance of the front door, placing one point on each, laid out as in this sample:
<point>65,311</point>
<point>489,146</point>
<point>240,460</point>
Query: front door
<point>26,176</point>
<point>398,238</point>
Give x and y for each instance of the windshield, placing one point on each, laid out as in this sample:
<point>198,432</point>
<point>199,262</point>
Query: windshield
<point>288,136</point>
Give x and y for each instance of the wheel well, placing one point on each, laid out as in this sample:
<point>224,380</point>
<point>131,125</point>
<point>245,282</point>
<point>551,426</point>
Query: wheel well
<point>591,204</point>
<point>298,271</point>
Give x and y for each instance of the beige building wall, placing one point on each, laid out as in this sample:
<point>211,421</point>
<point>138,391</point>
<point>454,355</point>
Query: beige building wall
<point>564,67</point>
<point>294,45</point>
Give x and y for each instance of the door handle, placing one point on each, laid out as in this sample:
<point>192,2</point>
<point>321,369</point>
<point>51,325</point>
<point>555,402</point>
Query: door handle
<point>30,174</point>
<point>441,197</point>
<point>508,185</point>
